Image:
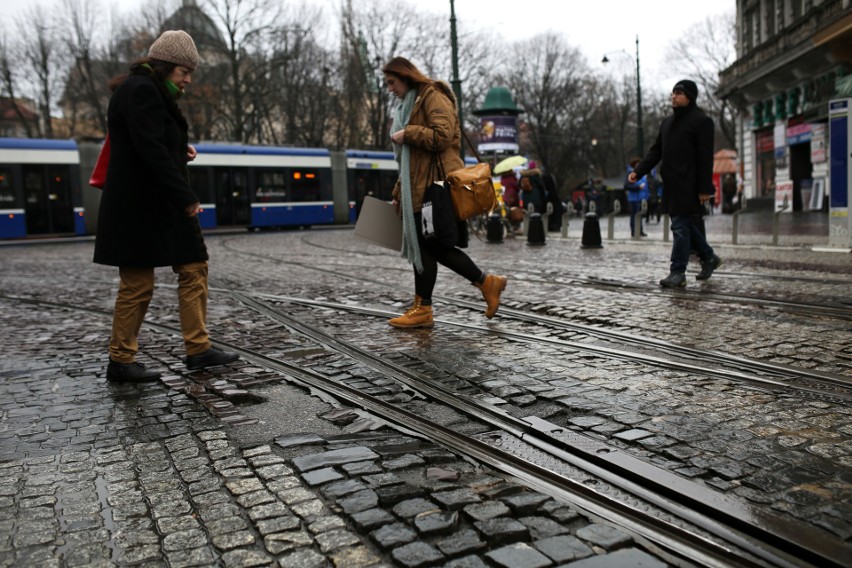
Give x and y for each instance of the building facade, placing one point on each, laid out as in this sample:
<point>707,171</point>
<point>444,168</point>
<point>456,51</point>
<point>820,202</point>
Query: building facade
<point>793,57</point>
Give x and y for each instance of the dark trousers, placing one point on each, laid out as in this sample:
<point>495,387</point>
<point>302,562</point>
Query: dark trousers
<point>686,236</point>
<point>433,254</point>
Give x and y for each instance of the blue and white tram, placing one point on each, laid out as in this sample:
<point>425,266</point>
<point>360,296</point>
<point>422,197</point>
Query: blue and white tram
<point>262,186</point>
<point>369,173</point>
<point>40,188</point>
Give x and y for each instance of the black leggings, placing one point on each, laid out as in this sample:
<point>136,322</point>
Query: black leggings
<point>432,254</point>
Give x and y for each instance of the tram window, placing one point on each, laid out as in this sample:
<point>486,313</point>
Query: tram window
<point>305,184</point>
<point>33,186</point>
<point>7,192</point>
<point>271,186</point>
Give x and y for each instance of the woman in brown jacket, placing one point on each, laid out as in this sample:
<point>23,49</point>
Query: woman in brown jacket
<point>426,130</point>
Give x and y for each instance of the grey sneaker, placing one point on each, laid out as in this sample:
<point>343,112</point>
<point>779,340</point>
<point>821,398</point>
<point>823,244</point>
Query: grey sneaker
<point>674,280</point>
<point>707,267</point>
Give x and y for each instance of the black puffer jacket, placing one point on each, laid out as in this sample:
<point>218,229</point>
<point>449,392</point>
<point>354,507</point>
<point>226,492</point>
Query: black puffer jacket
<point>142,219</point>
<point>685,145</point>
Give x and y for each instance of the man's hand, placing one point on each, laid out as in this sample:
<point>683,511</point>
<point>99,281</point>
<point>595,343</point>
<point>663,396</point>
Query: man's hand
<point>192,210</point>
<point>632,177</point>
<point>191,152</point>
<point>398,137</point>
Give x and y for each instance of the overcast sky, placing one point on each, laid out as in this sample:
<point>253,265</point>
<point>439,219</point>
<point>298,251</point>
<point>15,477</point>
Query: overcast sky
<point>594,26</point>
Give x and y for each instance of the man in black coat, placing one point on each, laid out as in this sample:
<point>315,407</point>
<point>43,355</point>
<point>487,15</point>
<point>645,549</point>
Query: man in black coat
<point>685,145</point>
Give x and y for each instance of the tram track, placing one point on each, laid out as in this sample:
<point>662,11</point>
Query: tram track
<point>792,380</point>
<point>679,517</point>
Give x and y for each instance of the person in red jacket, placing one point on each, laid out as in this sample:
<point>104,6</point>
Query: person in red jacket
<point>685,145</point>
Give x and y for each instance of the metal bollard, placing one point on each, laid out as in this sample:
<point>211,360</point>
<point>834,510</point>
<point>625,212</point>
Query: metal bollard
<point>591,231</point>
<point>637,221</point>
<point>569,210</point>
<point>735,222</point>
<point>666,221</point>
<point>494,227</point>
<point>537,232</point>
<point>610,230</point>
<point>775,218</point>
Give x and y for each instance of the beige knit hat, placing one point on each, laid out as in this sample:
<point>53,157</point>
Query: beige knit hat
<point>175,46</point>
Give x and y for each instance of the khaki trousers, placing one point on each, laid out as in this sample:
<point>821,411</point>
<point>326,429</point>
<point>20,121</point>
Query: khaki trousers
<point>135,291</point>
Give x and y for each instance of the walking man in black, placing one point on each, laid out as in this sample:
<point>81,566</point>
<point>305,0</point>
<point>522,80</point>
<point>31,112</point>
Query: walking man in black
<point>685,145</point>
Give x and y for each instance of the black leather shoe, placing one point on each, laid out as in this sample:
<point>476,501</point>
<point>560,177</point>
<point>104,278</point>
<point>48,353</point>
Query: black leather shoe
<point>130,373</point>
<point>708,267</point>
<point>674,280</point>
<point>213,357</point>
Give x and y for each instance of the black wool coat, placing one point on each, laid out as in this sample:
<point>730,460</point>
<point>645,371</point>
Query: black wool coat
<point>142,220</point>
<point>685,145</point>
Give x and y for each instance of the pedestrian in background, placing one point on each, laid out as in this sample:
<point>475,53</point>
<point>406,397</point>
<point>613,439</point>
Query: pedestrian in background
<point>685,146</point>
<point>426,132</point>
<point>148,212</point>
<point>637,192</point>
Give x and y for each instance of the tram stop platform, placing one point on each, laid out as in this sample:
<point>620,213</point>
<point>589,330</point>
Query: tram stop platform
<point>597,421</point>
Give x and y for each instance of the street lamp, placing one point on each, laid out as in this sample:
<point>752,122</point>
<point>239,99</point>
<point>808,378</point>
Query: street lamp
<point>640,133</point>
<point>454,44</point>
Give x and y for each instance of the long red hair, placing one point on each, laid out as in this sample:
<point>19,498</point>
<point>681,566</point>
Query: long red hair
<point>407,71</point>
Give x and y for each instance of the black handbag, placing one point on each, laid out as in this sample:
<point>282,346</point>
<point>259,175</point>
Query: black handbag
<point>437,219</point>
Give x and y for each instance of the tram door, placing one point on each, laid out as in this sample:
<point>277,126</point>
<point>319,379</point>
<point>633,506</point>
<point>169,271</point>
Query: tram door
<point>233,206</point>
<point>47,199</point>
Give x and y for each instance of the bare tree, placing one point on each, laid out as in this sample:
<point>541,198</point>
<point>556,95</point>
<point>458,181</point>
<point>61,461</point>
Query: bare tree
<point>40,51</point>
<point>546,76</point>
<point>703,50</point>
<point>9,82</point>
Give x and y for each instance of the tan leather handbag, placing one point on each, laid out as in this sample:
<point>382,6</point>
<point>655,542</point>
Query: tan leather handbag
<point>471,188</point>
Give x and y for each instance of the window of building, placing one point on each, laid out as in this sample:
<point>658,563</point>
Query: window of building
<point>769,16</point>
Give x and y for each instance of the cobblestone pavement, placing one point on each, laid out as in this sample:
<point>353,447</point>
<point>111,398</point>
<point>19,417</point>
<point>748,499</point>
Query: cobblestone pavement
<point>243,466</point>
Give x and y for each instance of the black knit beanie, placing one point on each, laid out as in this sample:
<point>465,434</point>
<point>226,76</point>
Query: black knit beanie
<point>688,87</point>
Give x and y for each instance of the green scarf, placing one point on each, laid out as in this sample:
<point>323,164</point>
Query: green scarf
<point>402,152</point>
<point>175,91</point>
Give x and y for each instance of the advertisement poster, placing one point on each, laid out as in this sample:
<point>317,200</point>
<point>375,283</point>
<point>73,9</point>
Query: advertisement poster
<point>498,134</point>
<point>784,196</point>
<point>818,143</point>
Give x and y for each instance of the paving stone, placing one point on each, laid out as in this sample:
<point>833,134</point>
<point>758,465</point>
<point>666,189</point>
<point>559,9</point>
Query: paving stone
<point>487,510</point>
<point>333,457</point>
<point>278,524</point>
<point>626,558</point>
<point>436,523</point>
<point>403,462</point>
<point>304,558</point>
<point>542,527</point>
<point>241,486</point>
<point>342,488</point>
<point>502,531</point>
<point>326,523</point>
<point>518,555</point>
<point>456,499</point>
<point>393,535</point>
<point>466,562</point>
<point>413,507</point>
<point>183,540</point>
<point>417,554</point>
<point>175,524</point>
<point>604,536</point>
<point>563,548</point>
<point>309,510</point>
<point>268,511</point>
<point>371,519</point>
<point>305,439</point>
<point>274,471</point>
<point>195,557</point>
<point>233,540</point>
<point>335,540</point>
<point>395,493</point>
<point>321,476</point>
<point>360,501</point>
<point>244,558</point>
<point>525,503</point>
<point>277,543</point>
<point>283,484</point>
<point>355,557</point>
<point>361,468</point>
<point>382,479</point>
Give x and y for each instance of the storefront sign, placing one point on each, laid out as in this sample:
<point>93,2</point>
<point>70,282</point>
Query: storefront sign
<point>798,134</point>
<point>784,196</point>
<point>498,134</point>
<point>780,141</point>
<point>818,143</point>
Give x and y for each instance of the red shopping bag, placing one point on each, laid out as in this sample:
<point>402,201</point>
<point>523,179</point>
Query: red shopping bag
<point>98,177</point>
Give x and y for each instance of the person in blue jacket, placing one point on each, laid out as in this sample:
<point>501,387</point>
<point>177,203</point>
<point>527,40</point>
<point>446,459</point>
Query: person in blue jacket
<point>637,192</point>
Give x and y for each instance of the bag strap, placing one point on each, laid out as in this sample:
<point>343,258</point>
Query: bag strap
<point>475,153</point>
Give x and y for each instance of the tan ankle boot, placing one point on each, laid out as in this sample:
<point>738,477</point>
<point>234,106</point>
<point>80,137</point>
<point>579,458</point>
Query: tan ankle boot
<point>491,290</point>
<point>416,316</point>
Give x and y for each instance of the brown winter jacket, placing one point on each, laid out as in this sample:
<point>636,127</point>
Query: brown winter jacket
<point>433,127</point>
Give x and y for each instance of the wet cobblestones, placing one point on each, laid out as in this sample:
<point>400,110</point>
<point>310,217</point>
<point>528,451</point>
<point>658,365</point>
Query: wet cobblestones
<point>197,471</point>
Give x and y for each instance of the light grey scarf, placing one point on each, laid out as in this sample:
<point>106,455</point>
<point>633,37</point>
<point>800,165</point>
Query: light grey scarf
<point>402,153</point>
